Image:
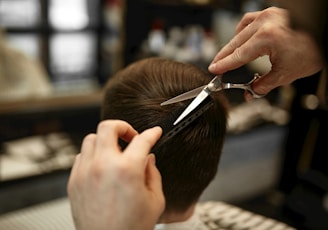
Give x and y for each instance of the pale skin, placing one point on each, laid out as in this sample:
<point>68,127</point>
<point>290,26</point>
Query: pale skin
<point>293,54</point>
<point>113,189</point>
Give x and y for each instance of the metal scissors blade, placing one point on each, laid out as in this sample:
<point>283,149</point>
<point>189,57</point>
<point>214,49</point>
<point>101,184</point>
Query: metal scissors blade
<point>214,85</point>
<point>201,93</point>
<point>199,99</point>
<point>185,96</point>
<point>194,92</point>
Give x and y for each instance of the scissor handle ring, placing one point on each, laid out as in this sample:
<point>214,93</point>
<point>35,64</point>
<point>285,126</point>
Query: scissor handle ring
<point>250,89</point>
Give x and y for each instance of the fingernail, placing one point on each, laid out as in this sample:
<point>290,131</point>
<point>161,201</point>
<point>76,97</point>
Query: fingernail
<point>211,67</point>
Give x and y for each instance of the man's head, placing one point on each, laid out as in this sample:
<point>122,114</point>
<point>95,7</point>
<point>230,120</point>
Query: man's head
<point>188,161</point>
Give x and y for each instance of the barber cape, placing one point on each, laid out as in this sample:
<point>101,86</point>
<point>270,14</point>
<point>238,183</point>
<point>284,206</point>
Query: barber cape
<point>221,216</point>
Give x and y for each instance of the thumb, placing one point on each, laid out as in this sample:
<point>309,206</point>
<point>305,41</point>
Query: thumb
<point>154,185</point>
<point>153,176</point>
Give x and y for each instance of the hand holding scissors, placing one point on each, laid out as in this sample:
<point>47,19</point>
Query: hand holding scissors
<point>201,93</point>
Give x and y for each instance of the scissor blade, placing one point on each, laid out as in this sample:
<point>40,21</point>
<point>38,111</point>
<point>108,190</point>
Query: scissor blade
<point>185,96</point>
<point>199,99</point>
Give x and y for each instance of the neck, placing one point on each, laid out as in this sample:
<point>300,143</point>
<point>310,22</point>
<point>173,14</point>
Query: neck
<point>175,216</point>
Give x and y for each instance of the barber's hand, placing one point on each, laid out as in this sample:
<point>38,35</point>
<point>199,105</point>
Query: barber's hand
<point>113,189</point>
<point>293,54</point>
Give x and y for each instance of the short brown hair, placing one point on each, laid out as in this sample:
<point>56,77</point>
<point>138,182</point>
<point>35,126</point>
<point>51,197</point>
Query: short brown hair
<point>188,162</point>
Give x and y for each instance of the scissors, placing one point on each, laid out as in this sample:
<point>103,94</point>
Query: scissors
<point>201,93</point>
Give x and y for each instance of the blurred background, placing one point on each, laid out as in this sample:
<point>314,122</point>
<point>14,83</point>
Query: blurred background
<point>56,55</point>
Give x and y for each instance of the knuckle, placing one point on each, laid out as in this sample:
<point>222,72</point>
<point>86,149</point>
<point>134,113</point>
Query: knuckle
<point>89,138</point>
<point>238,55</point>
<point>105,125</point>
<point>266,13</point>
<point>97,170</point>
<point>269,12</point>
<point>247,17</point>
<point>270,33</point>
<point>110,124</point>
<point>267,31</point>
<point>233,44</point>
<point>146,139</point>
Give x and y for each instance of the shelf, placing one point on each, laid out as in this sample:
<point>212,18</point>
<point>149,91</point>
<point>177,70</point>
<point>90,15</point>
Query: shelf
<point>196,3</point>
<point>33,105</point>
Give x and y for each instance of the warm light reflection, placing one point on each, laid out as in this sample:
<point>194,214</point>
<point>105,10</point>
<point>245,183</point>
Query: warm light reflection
<point>19,13</point>
<point>72,53</point>
<point>68,15</point>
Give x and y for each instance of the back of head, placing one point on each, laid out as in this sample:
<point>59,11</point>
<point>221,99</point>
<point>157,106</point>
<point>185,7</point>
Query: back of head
<point>188,161</point>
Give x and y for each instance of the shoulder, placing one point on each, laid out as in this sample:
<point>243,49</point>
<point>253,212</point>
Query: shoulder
<point>220,215</point>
